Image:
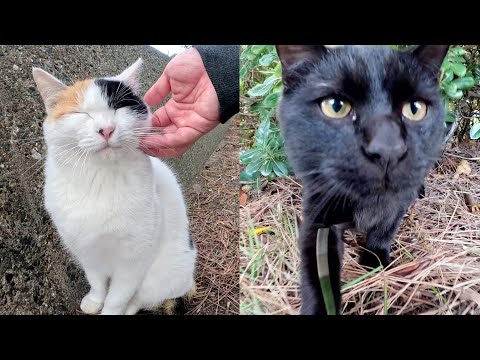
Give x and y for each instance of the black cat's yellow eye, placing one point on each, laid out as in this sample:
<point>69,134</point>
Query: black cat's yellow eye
<point>335,107</point>
<point>414,110</point>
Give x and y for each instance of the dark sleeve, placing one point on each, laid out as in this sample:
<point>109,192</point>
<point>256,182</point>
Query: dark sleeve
<point>222,63</point>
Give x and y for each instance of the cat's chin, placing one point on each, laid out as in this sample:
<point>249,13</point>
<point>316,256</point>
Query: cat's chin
<point>110,153</point>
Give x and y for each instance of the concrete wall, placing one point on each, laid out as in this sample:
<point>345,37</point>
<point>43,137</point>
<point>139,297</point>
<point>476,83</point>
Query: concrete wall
<point>36,276</point>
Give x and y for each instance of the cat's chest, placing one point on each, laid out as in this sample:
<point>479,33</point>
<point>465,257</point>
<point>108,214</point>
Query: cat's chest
<point>97,197</point>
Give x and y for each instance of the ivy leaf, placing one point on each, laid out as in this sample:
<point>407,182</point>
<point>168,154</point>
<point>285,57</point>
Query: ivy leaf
<point>264,88</point>
<point>257,49</point>
<point>464,83</point>
<point>261,135</point>
<point>475,132</point>
<point>266,168</point>
<point>266,59</point>
<point>458,69</point>
<point>280,168</point>
<point>248,178</point>
<point>448,76</point>
<point>450,118</point>
<point>273,99</point>
<point>250,155</point>
<point>253,167</point>
<point>457,51</point>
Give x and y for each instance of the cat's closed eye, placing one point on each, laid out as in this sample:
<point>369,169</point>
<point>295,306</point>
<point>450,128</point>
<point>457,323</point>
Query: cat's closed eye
<point>335,107</point>
<point>414,110</point>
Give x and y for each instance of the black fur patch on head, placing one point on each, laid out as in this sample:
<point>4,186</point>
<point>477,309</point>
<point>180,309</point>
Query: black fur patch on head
<point>120,95</point>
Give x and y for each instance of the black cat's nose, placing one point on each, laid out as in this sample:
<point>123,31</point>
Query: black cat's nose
<point>386,146</point>
<point>385,153</point>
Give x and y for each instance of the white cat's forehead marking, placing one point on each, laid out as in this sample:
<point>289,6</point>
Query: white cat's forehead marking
<point>93,99</point>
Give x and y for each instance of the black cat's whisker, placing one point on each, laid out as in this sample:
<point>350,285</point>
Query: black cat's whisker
<point>327,195</point>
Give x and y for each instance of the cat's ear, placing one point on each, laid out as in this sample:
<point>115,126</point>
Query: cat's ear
<point>293,54</point>
<point>431,55</point>
<point>131,76</point>
<point>48,86</point>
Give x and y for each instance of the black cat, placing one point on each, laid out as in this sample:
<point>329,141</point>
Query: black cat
<point>362,126</point>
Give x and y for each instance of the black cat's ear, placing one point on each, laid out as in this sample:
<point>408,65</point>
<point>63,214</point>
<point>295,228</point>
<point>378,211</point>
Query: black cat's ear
<point>431,55</point>
<point>293,54</point>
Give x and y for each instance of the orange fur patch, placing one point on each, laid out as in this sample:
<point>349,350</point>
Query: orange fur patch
<point>69,100</point>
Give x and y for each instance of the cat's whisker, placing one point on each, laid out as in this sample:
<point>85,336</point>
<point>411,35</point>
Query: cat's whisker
<point>30,167</point>
<point>77,161</point>
<point>72,157</point>
<point>64,151</point>
<point>87,153</point>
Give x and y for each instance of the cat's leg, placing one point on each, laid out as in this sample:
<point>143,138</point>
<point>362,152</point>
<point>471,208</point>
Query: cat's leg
<point>132,307</point>
<point>92,303</point>
<point>379,242</point>
<point>124,283</point>
<point>312,296</point>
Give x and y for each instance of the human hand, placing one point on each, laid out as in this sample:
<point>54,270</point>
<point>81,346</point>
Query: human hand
<point>192,111</point>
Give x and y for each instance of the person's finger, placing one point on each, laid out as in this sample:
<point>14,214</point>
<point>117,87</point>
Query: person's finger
<point>158,91</point>
<point>179,138</point>
<point>160,118</point>
<point>167,153</point>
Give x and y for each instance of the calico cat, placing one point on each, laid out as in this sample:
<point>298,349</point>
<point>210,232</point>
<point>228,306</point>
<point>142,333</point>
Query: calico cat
<point>119,212</point>
<point>362,126</point>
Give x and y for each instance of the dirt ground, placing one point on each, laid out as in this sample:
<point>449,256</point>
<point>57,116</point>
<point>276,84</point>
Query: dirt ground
<point>213,208</point>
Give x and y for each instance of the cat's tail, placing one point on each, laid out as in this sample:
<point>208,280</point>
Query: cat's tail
<point>179,306</point>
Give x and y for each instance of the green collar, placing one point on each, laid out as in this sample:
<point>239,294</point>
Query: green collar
<point>323,270</point>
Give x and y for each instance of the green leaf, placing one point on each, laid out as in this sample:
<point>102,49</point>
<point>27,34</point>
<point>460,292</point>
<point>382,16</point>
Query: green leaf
<point>257,49</point>
<point>464,83</point>
<point>458,59</point>
<point>457,95</point>
<point>250,155</point>
<point>445,64</point>
<point>280,168</point>
<point>244,71</point>
<point>475,132</point>
<point>256,107</point>
<point>450,89</point>
<point>248,178</point>
<point>458,69</point>
<point>450,118</point>
<point>272,100</point>
<point>261,135</point>
<point>262,89</point>
<point>266,169</point>
<point>271,177</point>
<point>250,56</point>
<point>267,59</point>
<point>278,70</point>
<point>448,76</point>
<point>457,51</point>
<point>254,166</point>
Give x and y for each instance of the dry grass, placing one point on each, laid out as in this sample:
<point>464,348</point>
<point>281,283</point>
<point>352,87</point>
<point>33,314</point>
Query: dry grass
<point>213,212</point>
<point>436,267</point>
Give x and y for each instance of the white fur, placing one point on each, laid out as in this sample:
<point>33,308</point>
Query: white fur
<point>119,212</point>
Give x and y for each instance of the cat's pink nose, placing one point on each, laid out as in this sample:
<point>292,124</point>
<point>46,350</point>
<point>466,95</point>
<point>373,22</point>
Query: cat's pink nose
<point>106,133</point>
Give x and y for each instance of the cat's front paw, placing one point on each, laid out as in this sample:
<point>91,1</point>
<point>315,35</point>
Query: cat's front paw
<point>89,306</point>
